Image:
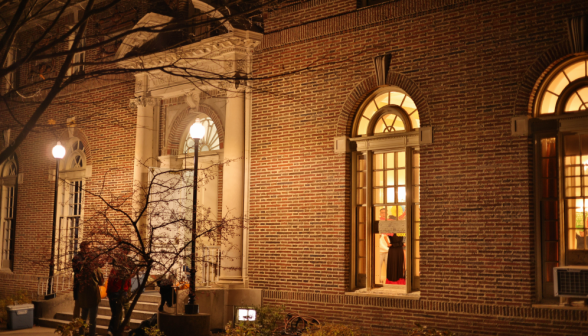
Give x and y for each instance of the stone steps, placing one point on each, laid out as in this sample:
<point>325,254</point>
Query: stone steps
<point>145,308</point>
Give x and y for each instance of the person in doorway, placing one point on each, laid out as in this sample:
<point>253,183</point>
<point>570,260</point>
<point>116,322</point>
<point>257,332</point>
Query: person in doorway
<point>395,267</point>
<point>382,214</point>
<point>119,283</point>
<point>384,246</point>
<point>90,279</point>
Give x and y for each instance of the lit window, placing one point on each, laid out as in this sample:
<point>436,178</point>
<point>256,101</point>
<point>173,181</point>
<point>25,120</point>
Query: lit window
<point>567,91</point>
<point>246,314</point>
<point>395,111</point>
<point>7,212</point>
<point>210,142</point>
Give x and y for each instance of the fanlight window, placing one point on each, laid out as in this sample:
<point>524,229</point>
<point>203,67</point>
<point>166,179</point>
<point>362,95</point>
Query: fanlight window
<point>388,122</point>
<point>567,91</point>
<point>210,141</point>
<point>77,148</point>
<point>9,169</point>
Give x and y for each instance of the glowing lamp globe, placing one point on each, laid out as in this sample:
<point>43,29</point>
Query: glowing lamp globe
<point>197,130</point>
<point>58,151</point>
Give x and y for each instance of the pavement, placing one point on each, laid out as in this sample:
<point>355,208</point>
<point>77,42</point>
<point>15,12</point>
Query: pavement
<point>37,331</point>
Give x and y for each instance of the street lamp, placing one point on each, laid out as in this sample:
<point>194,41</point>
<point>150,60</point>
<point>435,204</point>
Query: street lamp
<point>58,153</point>
<point>196,132</point>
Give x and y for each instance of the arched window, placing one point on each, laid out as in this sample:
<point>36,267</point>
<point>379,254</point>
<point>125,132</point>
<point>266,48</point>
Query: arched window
<point>562,170</point>
<point>566,91</point>
<point>390,111</point>
<point>386,196</point>
<point>70,211</point>
<point>8,182</point>
<point>210,142</point>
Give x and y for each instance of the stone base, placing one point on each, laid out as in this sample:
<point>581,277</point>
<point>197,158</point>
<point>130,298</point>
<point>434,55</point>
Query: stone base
<point>184,325</point>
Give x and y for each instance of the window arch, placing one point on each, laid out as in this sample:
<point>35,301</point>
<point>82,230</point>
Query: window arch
<point>210,142</point>
<point>387,111</point>
<point>565,90</point>
<point>76,155</point>
<point>561,158</point>
<point>386,191</point>
<point>8,194</point>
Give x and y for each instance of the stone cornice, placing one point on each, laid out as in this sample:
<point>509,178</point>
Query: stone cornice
<point>238,41</point>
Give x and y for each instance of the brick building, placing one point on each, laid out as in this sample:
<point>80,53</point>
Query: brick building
<point>457,125</point>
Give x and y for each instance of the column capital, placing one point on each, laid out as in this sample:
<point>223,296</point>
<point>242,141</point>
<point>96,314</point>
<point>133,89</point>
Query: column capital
<point>143,102</point>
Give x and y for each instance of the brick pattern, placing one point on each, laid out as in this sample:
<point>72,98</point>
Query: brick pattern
<point>468,64</point>
<point>305,11</point>
<point>360,19</point>
<point>389,316</point>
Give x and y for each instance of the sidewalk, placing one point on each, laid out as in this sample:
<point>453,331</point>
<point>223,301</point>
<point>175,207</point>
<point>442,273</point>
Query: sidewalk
<point>37,331</point>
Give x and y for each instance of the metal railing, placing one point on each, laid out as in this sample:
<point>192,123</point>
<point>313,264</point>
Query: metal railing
<point>60,283</point>
<point>210,264</point>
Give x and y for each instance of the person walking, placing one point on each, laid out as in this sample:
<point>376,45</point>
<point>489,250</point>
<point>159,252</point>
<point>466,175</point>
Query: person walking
<point>90,279</point>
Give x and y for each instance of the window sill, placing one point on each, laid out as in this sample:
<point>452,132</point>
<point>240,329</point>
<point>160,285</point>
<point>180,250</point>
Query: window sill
<point>575,306</point>
<point>386,293</point>
<point>6,271</point>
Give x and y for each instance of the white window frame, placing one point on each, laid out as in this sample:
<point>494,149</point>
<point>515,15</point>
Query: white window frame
<point>8,196</point>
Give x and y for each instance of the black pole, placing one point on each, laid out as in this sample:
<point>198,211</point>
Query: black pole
<point>192,307</point>
<point>50,294</point>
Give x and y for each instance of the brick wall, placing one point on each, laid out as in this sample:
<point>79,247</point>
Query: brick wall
<point>305,11</point>
<point>472,62</point>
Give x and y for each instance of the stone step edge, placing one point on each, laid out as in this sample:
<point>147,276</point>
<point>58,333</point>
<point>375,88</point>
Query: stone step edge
<point>53,323</point>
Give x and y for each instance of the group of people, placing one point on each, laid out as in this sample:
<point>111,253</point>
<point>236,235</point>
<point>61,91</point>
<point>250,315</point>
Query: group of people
<point>88,278</point>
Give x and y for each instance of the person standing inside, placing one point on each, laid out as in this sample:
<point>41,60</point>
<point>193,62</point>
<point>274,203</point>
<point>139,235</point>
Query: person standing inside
<point>90,279</point>
<point>119,283</point>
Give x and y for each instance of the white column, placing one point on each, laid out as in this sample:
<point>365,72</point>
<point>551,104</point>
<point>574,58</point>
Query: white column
<point>144,156</point>
<point>233,186</point>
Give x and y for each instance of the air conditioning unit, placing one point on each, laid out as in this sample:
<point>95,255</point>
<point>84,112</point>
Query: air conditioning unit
<point>571,281</point>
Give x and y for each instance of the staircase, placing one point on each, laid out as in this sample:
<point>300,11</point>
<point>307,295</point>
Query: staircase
<point>145,308</point>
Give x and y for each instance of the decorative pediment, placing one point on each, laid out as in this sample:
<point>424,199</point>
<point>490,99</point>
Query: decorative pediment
<point>150,20</point>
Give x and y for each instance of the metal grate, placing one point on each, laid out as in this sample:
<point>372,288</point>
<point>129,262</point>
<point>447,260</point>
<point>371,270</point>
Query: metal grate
<point>572,282</point>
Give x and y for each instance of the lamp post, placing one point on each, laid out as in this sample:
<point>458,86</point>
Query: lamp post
<point>196,132</point>
<point>58,153</point>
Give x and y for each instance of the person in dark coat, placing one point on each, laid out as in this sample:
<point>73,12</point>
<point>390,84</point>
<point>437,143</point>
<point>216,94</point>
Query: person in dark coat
<point>90,280</point>
<point>166,291</point>
<point>76,264</point>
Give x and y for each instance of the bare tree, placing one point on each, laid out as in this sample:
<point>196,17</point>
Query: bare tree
<point>46,46</point>
<point>111,226</point>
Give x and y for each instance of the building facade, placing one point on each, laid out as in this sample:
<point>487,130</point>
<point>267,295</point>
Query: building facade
<point>453,132</point>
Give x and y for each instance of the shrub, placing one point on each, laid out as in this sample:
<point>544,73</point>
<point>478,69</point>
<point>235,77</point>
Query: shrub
<point>19,298</point>
<point>426,331</point>
<point>72,328</point>
<point>331,329</point>
<point>269,321</point>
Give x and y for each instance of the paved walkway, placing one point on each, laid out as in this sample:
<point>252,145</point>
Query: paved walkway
<point>37,331</point>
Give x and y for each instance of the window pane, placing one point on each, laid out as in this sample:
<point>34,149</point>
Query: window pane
<point>549,167</point>
<point>381,213</point>
<point>361,180</point>
<point>379,195</point>
<point>361,214</point>
<point>390,177</point>
<point>378,161</point>
<point>415,120</point>
<point>396,98</point>
<point>379,178</point>
<point>380,127</point>
<point>548,147</point>
<point>549,188</point>
<point>401,177</point>
<point>361,231</point>
<point>576,70</point>
<point>370,110</point>
<point>401,159</point>
<point>382,100</point>
<point>550,210</point>
<point>552,230</point>
<point>572,146</point>
<point>551,251</point>
<point>578,101</point>
<point>408,105</point>
<point>390,195</point>
<point>361,162</point>
<point>399,125</point>
<point>360,196</point>
<point>363,125</point>
<point>548,103</point>
<point>402,194</point>
<point>390,160</point>
<point>558,83</point>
